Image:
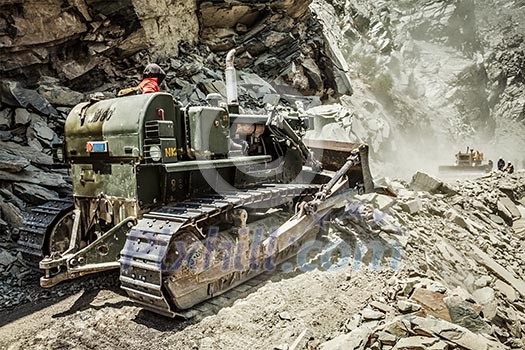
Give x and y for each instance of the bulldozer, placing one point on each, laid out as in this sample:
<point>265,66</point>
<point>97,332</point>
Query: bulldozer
<point>187,202</point>
<point>471,161</point>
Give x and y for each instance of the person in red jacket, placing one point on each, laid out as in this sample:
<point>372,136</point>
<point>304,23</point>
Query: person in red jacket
<point>152,77</point>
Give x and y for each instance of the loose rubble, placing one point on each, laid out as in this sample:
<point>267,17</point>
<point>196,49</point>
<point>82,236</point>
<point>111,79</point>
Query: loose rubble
<point>462,274</point>
<point>19,281</point>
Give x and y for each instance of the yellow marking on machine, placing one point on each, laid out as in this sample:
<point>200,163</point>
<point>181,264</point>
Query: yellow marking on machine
<point>170,152</point>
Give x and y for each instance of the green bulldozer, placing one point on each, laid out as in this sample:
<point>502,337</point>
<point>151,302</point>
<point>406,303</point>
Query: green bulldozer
<point>187,202</point>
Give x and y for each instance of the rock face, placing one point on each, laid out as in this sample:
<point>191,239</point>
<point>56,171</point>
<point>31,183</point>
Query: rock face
<point>166,24</point>
<point>90,43</point>
<point>445,75</point>
<point>30,31</point>
<point>274,39</point>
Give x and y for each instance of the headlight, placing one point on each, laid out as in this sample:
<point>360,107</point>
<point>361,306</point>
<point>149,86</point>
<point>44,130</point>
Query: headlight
<point>154,153</point>
<point>60,154</point>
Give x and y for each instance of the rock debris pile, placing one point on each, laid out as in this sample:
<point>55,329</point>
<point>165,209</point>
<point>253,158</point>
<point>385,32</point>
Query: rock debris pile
<point>19,283</point>
<point>457,251</point>
<point>30,126</point>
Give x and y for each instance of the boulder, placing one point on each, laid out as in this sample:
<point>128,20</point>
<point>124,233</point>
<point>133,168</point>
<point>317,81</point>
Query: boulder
<point>36,176</point>
<point>382,306</point>
<point>386,338</point>
<point>372,315</point>
<point>255,86</point>
<point>412,206</point>
<point>506,290</point>
<point>432,302</point>
<point>6,135</point>
<point>484,295</point>
<point>72,69</point>
<point>51,89</point>
<point>22,117</point>
<point>6,258</point>
<point>428,183</point>
<point>35,144</point>
<point>15,95</point>
<point>34,156</point>
<point>383,202</point>
<point>407,307</point>
<point>10,197</point>
<point>487,298</point>
<point>483,281</point>
<point>11,162</point>
<point>398,327</point>
<point>133,43</point>
<point>356,339</point>
<point>6,119</point>
<point>497,219</point>
<point>285,316</point>
<point>462,313</point>
<point>425,182</point>
<point>11,214</point>
<point>379,201</point>
<point>42,132</point>
<point>508,210</point>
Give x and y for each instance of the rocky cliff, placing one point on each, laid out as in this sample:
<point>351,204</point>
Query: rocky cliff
<point>443,75</point>
<point>89,43</point>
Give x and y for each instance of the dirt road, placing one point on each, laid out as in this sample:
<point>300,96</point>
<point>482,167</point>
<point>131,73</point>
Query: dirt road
<point>272,315</point>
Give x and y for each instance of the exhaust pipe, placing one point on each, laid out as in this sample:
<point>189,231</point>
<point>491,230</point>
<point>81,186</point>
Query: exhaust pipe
<point>231,83</point>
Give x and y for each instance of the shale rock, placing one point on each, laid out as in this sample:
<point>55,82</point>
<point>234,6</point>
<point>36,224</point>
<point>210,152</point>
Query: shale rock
<point>34,194</point>
<point>33,175</point>
<point>6,259</point>
<point>22,116</point>
<point>356,339</point>
<point>51,89</point>
<point>42,132</point>
<point>11,214</point>
<point>508,209</point>
<point>14,94</point>
<point>28,153</point>
<point>425,182</point>
<point>6,119</point>
<point>11,162</point>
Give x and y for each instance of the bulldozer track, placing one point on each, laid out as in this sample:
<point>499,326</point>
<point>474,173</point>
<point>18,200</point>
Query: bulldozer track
<point>212,306</point>
<point>147,243</point>
<point>36,225</point>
